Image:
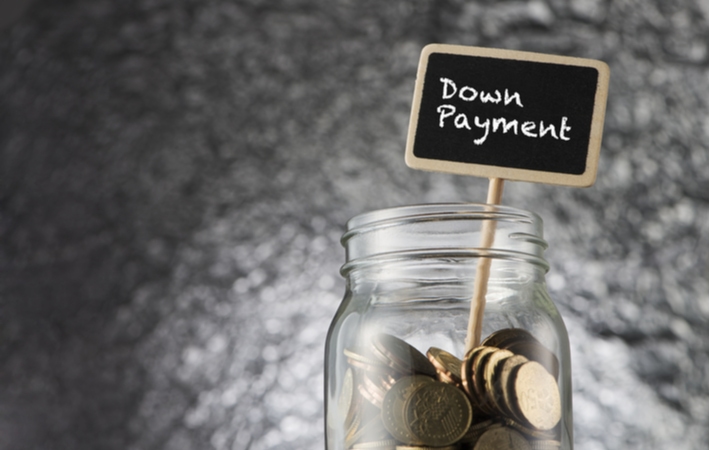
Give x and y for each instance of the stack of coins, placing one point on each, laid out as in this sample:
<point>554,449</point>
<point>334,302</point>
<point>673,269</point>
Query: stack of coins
<point>502,395</point>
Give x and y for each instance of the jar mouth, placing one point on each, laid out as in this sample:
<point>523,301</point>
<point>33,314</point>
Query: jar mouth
<point>439,211</point>
<point>443,229</point>
<point>443,254</point>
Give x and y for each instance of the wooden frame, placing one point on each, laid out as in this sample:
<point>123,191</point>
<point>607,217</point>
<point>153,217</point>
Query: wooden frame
<point>584,179</point>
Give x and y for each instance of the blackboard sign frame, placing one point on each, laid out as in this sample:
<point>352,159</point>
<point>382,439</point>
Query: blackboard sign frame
<point>585,179</point>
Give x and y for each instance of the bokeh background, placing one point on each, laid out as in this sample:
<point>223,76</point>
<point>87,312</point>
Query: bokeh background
<point>175,176</point>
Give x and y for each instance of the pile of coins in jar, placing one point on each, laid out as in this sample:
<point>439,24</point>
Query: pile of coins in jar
<point>502,395</point>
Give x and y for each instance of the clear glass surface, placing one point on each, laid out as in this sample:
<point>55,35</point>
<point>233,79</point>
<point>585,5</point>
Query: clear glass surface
<point>410,275</point>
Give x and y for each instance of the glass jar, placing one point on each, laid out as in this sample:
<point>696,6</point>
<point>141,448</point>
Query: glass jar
<point>404,371</point>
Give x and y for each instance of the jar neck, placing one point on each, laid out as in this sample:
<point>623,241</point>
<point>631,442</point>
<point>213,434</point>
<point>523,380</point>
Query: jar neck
<point>436,235</point>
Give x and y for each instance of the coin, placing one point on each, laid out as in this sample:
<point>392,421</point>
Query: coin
<point>438,414</point>
<point>384,372</point>
<point>383,380</point>
<point>345,400</point>
<point>535,351</point>
<point>467,372</point>
<point>479,374</point>
<point>469,369</point>
<point>401,356</point>
<point>367,362</point>
<point>504,336</point>
<point>444,378</point>
<point>522,342</point>
<point>502,396</point>
<point>353,428</point>
<point>371,390</point>
<point>491,363</point>
<point>477,429</point>
<point>393,397</point>
<point>447,365</point>
<point>494,371</point>
<point>393,406</point>
<point>362,356</point>
<point>369,396</point>
<point>372,430</point>
<point>502,438</point>
<point>536,396</point>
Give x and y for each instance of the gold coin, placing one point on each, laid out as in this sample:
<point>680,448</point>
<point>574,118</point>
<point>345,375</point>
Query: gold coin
<point>379,369</point>
<point>535,351</point>
<point>477,429</point>
<point>502,438</point>
<point>522,342</point>
<point>502,396</point>
<point>393,406</point>
<point>369,396</point>
<point>467,371</point>
<point>493,375</point>
<point>444,378</point>
<point>438,414</point>
<point>371,390</point>
<point>364,408</point>
<point>537,397</point>
<point>502,337</point>
<point>470,370</point>
<point>401,356</point>
<point>489,371</point>
<point>446,364</point>
<point>367,362</point>
<point>383,380</point>
<point>361,356</point>
<point>345,400</point>
<point>479,374</point>
<point>353,428</point>
<point>372,430</point>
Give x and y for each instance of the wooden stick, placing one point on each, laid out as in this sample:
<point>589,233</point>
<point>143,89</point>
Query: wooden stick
<point>480,284</point>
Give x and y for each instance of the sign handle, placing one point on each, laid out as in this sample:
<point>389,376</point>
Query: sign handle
<point>480,284</point>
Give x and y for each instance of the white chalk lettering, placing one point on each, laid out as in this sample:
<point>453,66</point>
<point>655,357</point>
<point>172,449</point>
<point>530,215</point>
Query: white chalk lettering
<point>509,98</point>
<point>486,125</point>
<point>487,97</point>
<point>501,125</point>
<point>461,121</point>
<point>469,94</point>
<point>448,83</point>
<point>443,110</point>
<point>563,128</point>
<point>550,129</point>
<point>528,129</point>
<point>501,121</point>
<point>468,98</point>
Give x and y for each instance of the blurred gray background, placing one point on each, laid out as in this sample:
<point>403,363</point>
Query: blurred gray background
<point>175,176</point>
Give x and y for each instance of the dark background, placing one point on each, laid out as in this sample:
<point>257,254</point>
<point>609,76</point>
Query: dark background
<point>175,176</point>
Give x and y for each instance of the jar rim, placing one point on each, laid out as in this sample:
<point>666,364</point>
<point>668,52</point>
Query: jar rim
<point>433,211</point>
<point>413,229</point>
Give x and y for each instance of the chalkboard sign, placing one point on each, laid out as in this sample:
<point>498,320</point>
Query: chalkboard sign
<point>508,114</point>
